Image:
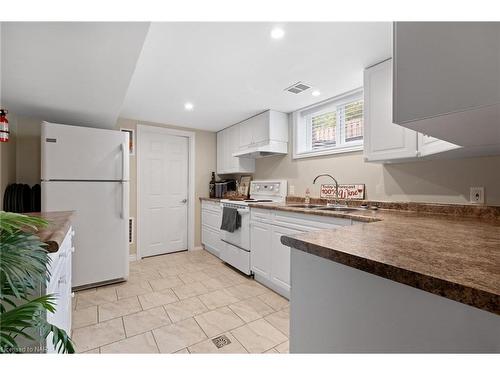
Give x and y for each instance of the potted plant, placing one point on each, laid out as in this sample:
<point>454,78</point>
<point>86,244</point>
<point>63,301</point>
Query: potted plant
<point>23,269</point>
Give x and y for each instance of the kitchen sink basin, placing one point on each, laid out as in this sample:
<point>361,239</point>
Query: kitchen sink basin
<point>336,208</point>
<point>305,205</point>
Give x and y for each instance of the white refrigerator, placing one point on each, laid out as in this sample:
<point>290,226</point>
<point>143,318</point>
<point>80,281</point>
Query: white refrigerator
<point>86,170</point>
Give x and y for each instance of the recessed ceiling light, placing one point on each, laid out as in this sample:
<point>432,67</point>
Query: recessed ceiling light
<point>277,33</point>
<point>188,106</point>
<point>316,93</point>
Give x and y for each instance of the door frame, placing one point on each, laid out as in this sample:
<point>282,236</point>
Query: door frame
<point>191,136</point>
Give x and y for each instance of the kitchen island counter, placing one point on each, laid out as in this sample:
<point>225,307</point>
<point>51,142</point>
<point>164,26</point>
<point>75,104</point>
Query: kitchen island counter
<point>453,256</point>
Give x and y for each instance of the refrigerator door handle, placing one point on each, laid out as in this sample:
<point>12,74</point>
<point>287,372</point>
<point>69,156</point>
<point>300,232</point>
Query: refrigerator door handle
<point>124,163</point>
<point>122,210</point>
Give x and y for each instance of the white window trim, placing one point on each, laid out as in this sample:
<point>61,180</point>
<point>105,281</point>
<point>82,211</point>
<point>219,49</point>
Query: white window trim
<point>339,149</point>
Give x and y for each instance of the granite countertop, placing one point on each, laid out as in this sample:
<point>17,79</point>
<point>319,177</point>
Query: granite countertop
<point>54,234</point>
<point>453,256</point>
<point>210,199</point>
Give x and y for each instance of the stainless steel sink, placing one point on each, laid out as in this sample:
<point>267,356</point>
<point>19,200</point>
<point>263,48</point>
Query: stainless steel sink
<point>306,205</point>
<point>337,208</point>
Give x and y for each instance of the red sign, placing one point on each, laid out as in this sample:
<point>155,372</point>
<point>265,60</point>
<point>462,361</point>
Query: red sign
<point>355,191</point>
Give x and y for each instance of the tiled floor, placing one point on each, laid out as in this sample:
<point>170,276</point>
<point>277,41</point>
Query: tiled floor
<point>181,303</point>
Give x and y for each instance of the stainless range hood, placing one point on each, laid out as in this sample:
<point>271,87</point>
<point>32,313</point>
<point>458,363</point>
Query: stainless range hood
<point>272,148</point>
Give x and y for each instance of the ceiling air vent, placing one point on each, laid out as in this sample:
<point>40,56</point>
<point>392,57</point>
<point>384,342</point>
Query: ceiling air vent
<point>298,87</point>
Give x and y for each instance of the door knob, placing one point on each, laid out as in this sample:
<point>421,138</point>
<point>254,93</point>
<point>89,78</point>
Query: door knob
<point>184,201</point>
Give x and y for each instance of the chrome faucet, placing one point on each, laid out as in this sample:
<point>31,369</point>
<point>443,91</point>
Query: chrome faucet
<point>336,188</point>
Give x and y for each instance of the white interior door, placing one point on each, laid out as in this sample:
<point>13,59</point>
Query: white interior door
<point>163,190</point>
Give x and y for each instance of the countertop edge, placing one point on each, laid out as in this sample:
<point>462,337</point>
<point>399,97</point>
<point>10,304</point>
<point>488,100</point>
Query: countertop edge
<point>457,292</point>
<point>59,224</point>
<point>209,199</point>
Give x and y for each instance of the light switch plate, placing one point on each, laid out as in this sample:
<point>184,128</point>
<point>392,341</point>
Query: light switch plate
<point>291,190</point>
<point>477,195</point>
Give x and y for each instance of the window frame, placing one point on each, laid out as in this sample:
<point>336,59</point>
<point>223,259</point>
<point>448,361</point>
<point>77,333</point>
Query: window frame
<point>302,127</point>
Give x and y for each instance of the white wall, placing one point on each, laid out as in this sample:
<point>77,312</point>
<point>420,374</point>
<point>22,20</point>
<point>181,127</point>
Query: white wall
<point>28,162</point>
<point>437,181</point>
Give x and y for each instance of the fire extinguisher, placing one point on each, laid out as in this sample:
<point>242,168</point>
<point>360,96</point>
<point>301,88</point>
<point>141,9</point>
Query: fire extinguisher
<point>4,126</point>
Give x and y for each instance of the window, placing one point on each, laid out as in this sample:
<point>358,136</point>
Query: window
<point>330,127</point>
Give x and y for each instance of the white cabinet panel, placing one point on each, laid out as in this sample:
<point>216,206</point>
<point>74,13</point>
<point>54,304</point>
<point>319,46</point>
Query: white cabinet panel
<point>211,216</point>
<point>270,259</point>
<point>280,259</point>
<point>210,238</point>
<point>445,67</point>
<point>227,145</point>
<point>263,128</point>
<point>59,284</point>
<point>447,81</point>
<point>261,247</point>
<point>221,167</point>
<point>383,140</point>
<point>246,130</point>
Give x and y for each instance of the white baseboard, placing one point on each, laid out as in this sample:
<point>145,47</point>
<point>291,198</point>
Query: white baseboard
<point>132,257</point>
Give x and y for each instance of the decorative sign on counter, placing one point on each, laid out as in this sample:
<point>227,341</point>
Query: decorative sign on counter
<point>354,191</point>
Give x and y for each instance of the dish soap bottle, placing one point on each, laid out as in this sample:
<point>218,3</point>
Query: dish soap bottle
<point>307,200</point>
<point>211,186</point>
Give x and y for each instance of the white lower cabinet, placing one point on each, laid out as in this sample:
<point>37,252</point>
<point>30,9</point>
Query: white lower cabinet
<point>59,285</point>
<point>269,258</point>
<point>260,249</point>
<point>211,216</point>
<point>280,259</point>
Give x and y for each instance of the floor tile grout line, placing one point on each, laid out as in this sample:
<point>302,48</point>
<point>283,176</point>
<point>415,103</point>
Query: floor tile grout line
<point>216,271</point>
<point>156,342</point>
<point>239,342</point>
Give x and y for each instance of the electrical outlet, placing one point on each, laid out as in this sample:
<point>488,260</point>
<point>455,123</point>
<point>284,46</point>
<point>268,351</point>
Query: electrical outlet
<point>477,195</point>
<point>291,190</point>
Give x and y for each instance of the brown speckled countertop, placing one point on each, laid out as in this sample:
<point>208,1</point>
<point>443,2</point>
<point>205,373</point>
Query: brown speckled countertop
<point>54,234</point>
<point>457,257</point>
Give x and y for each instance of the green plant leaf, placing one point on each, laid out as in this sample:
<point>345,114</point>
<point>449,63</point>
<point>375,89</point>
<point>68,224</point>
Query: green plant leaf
<point>24,267</point>
<point>10,222</point>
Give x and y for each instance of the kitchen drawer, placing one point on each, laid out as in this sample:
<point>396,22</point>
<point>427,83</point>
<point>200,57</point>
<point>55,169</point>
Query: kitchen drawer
<point>236,257</point>
<point>210,238</point>
<point>211,206</point>
<point>211,219</point>
<point>261,215</point>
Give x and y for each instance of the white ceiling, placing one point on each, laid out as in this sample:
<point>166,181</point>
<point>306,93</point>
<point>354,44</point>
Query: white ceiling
<point>229,71</point>
<point>76,73</point>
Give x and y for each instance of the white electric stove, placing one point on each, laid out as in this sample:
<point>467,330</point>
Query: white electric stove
<point>236,251</point>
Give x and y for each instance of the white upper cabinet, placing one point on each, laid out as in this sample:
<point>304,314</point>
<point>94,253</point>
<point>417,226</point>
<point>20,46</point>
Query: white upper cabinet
<point>227,144</point>
<point>384,140</point>
<point>447,80</point>
<point>265,134</point>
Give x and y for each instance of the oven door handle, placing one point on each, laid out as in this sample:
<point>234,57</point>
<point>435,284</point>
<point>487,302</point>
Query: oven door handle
<point>232,244</point>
